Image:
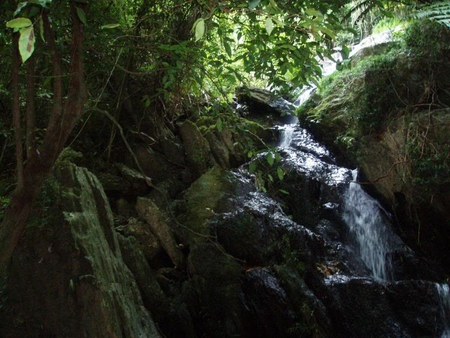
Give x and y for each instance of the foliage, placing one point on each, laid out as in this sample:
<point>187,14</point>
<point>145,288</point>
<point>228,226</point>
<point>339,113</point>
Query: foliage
<point>438,11</point>
<point>428,40</point>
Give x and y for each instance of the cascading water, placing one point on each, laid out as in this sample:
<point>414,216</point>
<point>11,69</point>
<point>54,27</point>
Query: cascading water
<point>375,261</point>
<point>287,136</point>
<point>443,291</point>
<point>363,216</point>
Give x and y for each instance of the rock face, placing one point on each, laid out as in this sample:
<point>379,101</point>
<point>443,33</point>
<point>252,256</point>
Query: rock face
<point>69,269</point>
<point>394,124</point>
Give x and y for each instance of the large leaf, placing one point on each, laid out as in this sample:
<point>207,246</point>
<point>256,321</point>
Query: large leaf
<point>199,27</point>
<point>82,15</point>
<point>253,4</point>
<point>26,42</point>
<point>20,6</point>
<point>19,23</point>
<point>269,25</point>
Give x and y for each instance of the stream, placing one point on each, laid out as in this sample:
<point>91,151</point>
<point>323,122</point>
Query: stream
<point>374,255</point>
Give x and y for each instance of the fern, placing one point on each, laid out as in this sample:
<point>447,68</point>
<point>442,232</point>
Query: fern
<point>438,11</point>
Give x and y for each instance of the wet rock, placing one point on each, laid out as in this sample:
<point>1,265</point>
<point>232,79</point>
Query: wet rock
<point>198,152</point>
<point>149,212</point>
<point>361,307</point>
<point>272,313</point>
<point>67,277</point>
<point>312,318</point>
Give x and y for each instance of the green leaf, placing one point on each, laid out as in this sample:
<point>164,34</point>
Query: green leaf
<point>277,157</point>
<point>82,15</point>
<point>199,27</point>
<point>269,25</point>
<point>42,3</point>
<point>19,23</point>
<point>253,4</point>
<point>284,191</point>
<point>270,158</point>
<point>280,173</point>
<point>219,124</point>
<point>20,7</point>
<point>26,42</point>
<point>111,26</point>
<point>227,48</point>
<point>313,12</point>
<point>270,177</point>
<point>41,29</point>
<point>250,154</point>
<point>345,52</point>
<point>252,167</point>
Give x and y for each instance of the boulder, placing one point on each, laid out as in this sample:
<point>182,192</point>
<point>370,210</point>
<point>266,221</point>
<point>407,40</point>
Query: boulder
<point>198,151</point>
<point>149,212</point>
<point>67,277</point>
<point>219,150</point>
<point>147,242</point>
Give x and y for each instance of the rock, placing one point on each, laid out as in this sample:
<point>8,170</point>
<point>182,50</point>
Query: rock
<point>149,212</point>
<point>154,164</point>
<point>197,149</point>
<point>360,307</point>
<point>262,104</point>
<point>67,277</point>
<point>170,314</point>
<point>146,240</point>
<point>200,203</point>
<point>272,313</point>
<point>113,183</point>
<point>137,180</point>
<point>236,157</point>
<point>219,150</point>
<point>213,293</point>
<point>174,151</point>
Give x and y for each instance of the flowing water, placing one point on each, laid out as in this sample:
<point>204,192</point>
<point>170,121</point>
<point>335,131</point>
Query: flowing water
<point>364,218</point>
<point>443,291</point>
<point>363,215</point>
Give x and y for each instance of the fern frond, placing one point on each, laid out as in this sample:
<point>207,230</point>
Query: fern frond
<point>438,11</point>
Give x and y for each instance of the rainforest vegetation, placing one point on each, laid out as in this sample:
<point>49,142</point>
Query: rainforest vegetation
<point>88,80</point>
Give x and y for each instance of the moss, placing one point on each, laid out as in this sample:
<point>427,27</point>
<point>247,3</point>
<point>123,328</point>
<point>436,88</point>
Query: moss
<point>201,201</point>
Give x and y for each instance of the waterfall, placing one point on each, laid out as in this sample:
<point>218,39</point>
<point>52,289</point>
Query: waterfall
<point>287,135</point>
<point>363,216</point>
<point>443,291</point>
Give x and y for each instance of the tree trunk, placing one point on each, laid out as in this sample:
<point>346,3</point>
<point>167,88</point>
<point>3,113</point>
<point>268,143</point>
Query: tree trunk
<point>30,140</point>
<point>40,163</point>
<point>16,110</point>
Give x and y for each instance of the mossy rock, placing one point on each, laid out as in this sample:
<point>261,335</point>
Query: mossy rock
<point>198,151</point>
<point>201,202</point>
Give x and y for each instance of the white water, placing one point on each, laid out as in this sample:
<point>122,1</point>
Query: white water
<point>443,291</point>
<point>363,216</point>
<point>287,135</point>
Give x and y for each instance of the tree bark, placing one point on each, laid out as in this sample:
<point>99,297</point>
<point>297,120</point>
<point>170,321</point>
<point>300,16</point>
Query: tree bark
<point>40,163</point>
<point>30,140</point>
<point>16,109</point>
